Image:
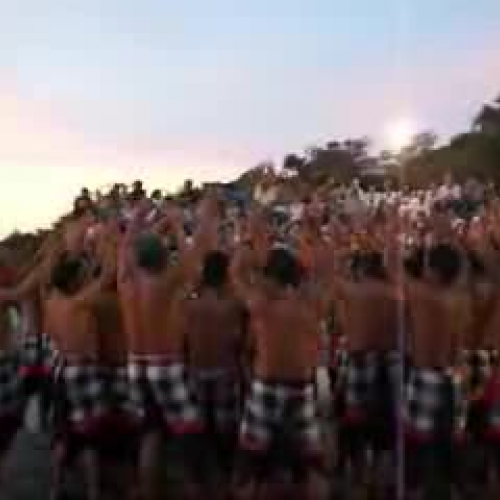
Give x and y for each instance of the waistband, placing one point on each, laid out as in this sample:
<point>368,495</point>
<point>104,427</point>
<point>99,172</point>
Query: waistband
<point>288,384</point>
<point>72,360</point>
<point>214,373</point>
<point>435,372</point>
<point>154,359</point>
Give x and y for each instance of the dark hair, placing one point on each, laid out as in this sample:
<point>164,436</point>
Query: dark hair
<point>150,253</point>
<point>215,267</point>
<point>283,268</point>
<point>477,267</point>
<point>156,194</point>
<point>66,275</point>
<point>367,265</point>
<point>445,263</point>
<point>414,263</point>
<point>372,266</point>
<point>78,210</point>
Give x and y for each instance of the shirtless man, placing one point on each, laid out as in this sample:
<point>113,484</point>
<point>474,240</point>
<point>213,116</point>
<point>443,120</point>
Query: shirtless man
<point>80,393</point>
<point>280,427</point>
<point>439,310</point>
<point>159,394</point>
<point>490,430</point>
<point>213,321</point>
<point>484,416</point>
<point>116,446</point>
<point>370,323</point>
<point>36,354</point>
<point>10,397</point>
<point>478,349</point>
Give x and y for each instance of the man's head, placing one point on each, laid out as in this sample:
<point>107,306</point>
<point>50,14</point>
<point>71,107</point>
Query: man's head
<point>215,269</point>
<point>81,206</point>
<point>150,253</point>
<point>138,192</point>
<point>156,195</point>
<point>67,275</point>
<point>414,263</point>
<point>444,264</point>
<point>283,268</point>
<point>372,266</point>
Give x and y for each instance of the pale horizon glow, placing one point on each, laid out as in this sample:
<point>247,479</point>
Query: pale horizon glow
<point>399,134</point>
<point>113,91</point>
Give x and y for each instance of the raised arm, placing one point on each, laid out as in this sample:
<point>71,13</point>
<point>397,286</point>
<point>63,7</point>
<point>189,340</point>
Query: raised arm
<point>37,277</point>
<point>125,249</point>
<point>205,239</point>
<point>108,252</point>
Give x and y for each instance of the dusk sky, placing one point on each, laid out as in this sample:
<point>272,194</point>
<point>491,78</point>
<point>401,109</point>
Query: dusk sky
<point>94,91</point>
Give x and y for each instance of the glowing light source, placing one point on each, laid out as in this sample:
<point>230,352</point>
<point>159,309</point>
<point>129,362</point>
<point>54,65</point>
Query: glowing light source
<point>399,134</point>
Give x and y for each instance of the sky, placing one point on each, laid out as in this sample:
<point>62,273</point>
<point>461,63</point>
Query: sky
<point>96,91</point>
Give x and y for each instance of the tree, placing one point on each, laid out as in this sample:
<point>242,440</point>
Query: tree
<point>488,119</point>
<point>293,163</point>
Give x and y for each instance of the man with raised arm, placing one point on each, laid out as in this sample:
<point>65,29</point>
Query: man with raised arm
<point>80,388</point>
<point>160,396</point>
<point>280,427</point>
<point>213,321</point>
<point>439,309</point>
<point>370,323</point>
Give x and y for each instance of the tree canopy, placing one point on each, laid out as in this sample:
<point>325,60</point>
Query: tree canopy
<point>474,153</point>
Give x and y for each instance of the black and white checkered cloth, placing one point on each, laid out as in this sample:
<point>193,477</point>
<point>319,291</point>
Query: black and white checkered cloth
<point>360,375</point>
<point>340,359</point>
<point>10,393</point>
<point>163,390</point>
<point>362,370</point>
<point>493,418</point>
<point>38,353</point>
<point>219,393</point>
<point>428,393</point>
<point>479,363</point>
<point>80,395</point>
<point>117,391</point>
<point>271,407</point>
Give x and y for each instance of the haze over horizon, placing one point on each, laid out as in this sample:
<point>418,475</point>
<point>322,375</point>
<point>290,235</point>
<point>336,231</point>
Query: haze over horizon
<point>96,92</point>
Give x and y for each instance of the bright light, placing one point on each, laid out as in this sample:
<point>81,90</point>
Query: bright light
<point>399,134</point>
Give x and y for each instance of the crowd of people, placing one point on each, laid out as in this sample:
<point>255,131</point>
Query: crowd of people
<point>199,324</point>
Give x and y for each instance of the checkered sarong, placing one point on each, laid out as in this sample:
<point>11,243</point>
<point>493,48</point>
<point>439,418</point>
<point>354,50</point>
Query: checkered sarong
<point>38,359</point>
<point>80,395</point>
<point>491,406</point>
<point>430,394</point>
<point>38,351</point>
<point>116,380</point>
<point>272,407</point>
<point>361,381</point>
<point>479,363</point>
<point>219,395</point>
<point>163,391</point>
<point>10,394</point>
<point>339,359</point>
<point>360,376</point>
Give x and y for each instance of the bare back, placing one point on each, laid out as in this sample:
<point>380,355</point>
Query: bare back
<point>285,332</point>
<point>370,319</point>
<point>483,301</point>
<point>146,303</point>
<point>112,339</point>
<point>215,327</point>
<point>439,320</point>
<point>4,328</point>
<point>72,327</point>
